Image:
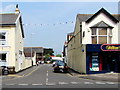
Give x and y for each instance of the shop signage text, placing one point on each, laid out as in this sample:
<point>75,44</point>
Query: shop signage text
<point>110,47</point>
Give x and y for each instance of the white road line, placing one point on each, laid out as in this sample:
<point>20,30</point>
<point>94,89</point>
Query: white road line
<point>10,84</point>
<point>110,82</point>
<point>50,84</point>
<point>23,84</point>
<point>62,83</point>
<point>46,80</point>
<point>88,83</point>
<point>37,84</point>
<point>47,74</point>
<point>75,82</point>
<point>100,83</point>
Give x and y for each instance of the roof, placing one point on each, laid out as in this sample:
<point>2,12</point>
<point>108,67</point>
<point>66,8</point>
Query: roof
<point>35,49</point>
<point>88,17</point>
<point>70,33</point>
<point>101,24</point>
<point>10,19</point>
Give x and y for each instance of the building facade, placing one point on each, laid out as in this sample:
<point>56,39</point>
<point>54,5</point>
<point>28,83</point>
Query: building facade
<point>95,42</point>
<point>37,50</point>
<point>11,41</point>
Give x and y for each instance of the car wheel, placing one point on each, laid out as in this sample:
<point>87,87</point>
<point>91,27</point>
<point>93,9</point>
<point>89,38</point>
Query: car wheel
<point>5,72</point>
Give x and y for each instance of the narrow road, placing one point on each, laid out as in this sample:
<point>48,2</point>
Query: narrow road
<point>42,76</point>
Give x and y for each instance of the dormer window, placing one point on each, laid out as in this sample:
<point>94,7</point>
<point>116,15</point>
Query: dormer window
<point>101,33</point>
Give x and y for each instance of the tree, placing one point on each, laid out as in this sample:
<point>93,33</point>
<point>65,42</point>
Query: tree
<point>58,55</point>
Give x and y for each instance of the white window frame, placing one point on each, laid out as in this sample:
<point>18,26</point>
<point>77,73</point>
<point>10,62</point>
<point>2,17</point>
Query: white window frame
<point>6,37</point>
<point>97,35</point>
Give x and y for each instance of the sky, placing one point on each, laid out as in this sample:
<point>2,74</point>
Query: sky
<point>46,24</point>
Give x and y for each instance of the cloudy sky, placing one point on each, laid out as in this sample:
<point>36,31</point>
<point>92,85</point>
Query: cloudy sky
<point>46,24</point>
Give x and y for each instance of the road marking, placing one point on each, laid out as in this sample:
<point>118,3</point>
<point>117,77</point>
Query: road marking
<point>50,84</point>
<point>75,82</point>
<point>47,74</point>
<point>110,83</point>
<point>69,75</point>
<point>88,83</point>
<point>100,83</point>
<point>31,72</point>
<point>37,84</point>
<point>23,84</point>
<point>62,83</point>
<point>10,84</point>
<point>14,75</point>
<point>46,80</point>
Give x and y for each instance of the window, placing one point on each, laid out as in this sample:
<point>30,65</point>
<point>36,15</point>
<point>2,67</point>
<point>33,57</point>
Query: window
<point>102,40</point>
<point>83,33</point>
<point>94,40</point>
<point>3,57</point>
<point>2,38</point>
<point>101,35</point>
<point>94,31</point>
<point>102,31</point>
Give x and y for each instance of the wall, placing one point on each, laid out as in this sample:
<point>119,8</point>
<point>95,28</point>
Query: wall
<point>76,57</point>
<point>18,47</point>
<point>10,47</point>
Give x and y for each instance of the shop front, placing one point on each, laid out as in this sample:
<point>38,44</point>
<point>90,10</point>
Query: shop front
<point>102,58</point>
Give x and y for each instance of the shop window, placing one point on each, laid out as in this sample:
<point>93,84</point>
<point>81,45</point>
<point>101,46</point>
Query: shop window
<point>2,38</point>
<point>3,57</point>
<point>94,63</point>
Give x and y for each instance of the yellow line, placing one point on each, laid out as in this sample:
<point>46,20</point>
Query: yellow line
<point>18,76</point>
<point>69,75</point>
<point>31,72</point>
<point>14,75</point>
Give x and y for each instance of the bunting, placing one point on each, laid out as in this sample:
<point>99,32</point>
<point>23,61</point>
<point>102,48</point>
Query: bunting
<point>49,24</point>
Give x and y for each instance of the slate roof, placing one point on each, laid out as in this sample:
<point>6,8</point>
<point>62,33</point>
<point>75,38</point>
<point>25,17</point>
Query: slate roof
<point>9,19</point>
<point>88,17</point>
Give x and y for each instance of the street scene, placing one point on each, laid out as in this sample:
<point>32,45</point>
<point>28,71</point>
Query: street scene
<point>59,45</point>
<point>42,76</point>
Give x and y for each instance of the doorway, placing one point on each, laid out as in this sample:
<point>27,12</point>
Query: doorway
<point>111,61</point>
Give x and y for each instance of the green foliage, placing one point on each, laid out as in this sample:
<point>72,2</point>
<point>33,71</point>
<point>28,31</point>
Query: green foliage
<point>58,55</point>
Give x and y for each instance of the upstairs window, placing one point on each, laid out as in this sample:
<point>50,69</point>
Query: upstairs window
<point>2,38</point>
<point>101,33</point>
<point>3,57</point>
<point>101,36</point>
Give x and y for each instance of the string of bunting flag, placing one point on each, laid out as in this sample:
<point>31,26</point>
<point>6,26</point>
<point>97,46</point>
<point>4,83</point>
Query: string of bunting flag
<point>48,24</point>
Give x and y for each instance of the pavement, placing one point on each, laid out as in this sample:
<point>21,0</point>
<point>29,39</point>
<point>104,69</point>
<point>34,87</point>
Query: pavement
<point>111,76</point>
<point>19,74</point>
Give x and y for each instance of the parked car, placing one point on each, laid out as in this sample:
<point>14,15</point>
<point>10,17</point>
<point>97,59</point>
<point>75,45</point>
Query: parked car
<point>60,66</point>
<point>4,70</point>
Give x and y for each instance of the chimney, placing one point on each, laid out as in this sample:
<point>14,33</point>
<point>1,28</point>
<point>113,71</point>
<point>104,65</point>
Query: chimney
<point>17,9</point>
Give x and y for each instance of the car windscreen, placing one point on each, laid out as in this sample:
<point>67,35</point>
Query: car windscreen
<point>60,63</point>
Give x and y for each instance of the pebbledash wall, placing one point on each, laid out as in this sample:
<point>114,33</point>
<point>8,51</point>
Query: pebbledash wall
<point>85,49</point>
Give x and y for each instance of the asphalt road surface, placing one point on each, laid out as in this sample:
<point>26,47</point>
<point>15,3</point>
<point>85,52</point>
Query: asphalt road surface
<point>42,76</point>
